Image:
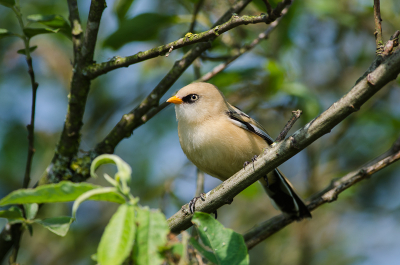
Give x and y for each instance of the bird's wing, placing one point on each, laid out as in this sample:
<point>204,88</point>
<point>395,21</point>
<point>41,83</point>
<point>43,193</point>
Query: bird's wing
<point>241,119</point>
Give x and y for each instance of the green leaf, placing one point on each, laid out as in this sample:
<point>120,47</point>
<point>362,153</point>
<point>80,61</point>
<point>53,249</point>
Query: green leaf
<point>64,191</point>
<point>143,27</point>
<point>118,237</point>
<point>58,225</point>
<point>23,51</point>
<point>151,235</point>
<point>108,191</point>
<point>5,33</point>
<point>7,3</point>
<point>122,7</point>
<point>124,170</point>
<point>52,21</point>
<point>14,215</point>
<point>30,32</point>
<point>31,210</point>
<point>225,245</point>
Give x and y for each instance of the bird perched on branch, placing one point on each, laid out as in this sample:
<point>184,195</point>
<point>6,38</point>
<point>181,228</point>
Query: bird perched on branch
<point>219,138</point>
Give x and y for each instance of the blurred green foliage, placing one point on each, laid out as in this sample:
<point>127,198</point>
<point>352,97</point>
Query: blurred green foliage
<point>313,57</point>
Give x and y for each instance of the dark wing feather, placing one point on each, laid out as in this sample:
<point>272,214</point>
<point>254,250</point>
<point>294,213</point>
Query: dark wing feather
<point>241,119</point>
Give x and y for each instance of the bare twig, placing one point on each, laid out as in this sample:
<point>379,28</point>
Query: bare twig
<point>391,44</point>
<point>329,194</point>
<point>268,6</point>
<point>276,155</point>
<point>199,183</point>
<point>220,27</point>
<point>195,12</point>
<point>378,25</point>
<point>219,68</point>
<point>288,126</point>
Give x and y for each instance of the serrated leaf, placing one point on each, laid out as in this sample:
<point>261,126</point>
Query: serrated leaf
<point>58,225</point>
<point>64,191</point>
<point>143,27</point>
<point>152,231</point>
<point>122,7</point>
<point>14,215</point>
<point>89,194</point>
<point>31,32</point>
<point>31,210</point>
<point>118,237</point>
<point>52,21</point>
<point>5,33</point>
<point>225,245</point>
<point>7,3</point>
<point>23,51</point>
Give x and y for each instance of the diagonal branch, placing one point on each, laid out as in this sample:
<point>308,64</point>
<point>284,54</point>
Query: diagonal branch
<point>329,194</point>
<point>95,70</point>
<point>276,155</point>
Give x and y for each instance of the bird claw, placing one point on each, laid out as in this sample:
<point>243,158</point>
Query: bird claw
<point>253,159</point>
<point>193,201</point>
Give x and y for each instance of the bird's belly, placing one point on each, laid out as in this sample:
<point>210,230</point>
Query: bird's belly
<point>220,156</point>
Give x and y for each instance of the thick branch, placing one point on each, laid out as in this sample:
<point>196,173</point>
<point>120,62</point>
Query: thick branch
<point>329,194</point>
<point>98,69</point>
<point>68,144</point>
<point>282,151</point>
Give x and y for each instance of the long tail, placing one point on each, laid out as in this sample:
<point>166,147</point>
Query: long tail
<point>283,196</point>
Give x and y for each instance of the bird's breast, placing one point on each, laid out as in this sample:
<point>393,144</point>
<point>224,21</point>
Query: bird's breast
<point>219,148</point>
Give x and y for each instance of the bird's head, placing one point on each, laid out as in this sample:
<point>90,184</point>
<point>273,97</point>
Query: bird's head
<point>197,102</point>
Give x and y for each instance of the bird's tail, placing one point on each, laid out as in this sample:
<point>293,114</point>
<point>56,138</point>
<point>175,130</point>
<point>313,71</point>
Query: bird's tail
<point>283,195</point>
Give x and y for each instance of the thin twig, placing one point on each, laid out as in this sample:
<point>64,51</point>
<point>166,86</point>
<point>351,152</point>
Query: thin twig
<point>219,68</point>
<point>195,12</point>
<point>95,70</point>
<point>296,115</point>
<point>329,194</point>
<point>268,5</point>
<point>199,183</point>
<point>378,25</point>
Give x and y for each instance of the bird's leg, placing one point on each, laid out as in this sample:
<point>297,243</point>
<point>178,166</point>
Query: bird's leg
<point>193,201</point>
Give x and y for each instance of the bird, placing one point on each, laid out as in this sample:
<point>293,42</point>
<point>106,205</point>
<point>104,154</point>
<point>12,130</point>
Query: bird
<point>220,139</point>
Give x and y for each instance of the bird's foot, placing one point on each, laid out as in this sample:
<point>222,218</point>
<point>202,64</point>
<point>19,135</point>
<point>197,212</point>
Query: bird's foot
<point>193,201</point>
<point>252,161</point>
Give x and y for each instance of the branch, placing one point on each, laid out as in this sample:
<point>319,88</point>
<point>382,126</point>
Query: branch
<point>68,144</point>
<point>276,155</point>
<point>262,36</point>
<point>95,70</point>
<point>329,194</point>
<point>296,115</point>
<point>378,25</point>
<point>268,6</point>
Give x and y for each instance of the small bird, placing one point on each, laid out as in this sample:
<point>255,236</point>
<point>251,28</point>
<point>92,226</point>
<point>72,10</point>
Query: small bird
<point>219,139</point>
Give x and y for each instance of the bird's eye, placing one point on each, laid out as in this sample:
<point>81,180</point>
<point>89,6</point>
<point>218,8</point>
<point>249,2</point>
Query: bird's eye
<point>191,98</point>
<point>194,97</point>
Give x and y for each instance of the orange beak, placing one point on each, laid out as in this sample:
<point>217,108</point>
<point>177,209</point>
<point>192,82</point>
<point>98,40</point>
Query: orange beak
<point>175,100</point>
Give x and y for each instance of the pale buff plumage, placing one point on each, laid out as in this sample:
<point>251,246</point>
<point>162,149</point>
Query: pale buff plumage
<point>214,136</point>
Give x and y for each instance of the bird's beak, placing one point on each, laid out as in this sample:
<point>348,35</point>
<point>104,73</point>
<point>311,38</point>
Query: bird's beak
<point>175,100</point>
